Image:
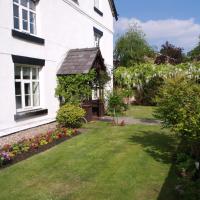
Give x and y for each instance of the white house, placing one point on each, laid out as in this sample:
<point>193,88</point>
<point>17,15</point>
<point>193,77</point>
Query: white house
<point>35,36</point>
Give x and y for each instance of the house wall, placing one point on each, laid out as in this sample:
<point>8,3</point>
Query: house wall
<point>64,25</point>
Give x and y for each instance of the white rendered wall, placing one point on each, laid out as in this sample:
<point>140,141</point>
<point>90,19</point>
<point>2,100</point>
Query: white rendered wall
<point>64,25</point>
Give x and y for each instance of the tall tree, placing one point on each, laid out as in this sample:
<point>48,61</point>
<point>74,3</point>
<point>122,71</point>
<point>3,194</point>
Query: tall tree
<point>171,53</point>
<point>132,48</point>
<point>194,54</point>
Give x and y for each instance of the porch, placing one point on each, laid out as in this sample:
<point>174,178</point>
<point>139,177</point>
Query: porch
<point>82,61</point>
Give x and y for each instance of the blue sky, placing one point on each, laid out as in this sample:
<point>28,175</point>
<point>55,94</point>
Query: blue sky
<point>177,21</point>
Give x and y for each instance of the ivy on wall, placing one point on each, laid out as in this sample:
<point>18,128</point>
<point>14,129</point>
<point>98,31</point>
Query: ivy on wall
<point>77,88</point>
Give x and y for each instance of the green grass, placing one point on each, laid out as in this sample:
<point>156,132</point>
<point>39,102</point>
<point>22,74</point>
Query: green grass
<point>104,163</point>
<point>141,112</point>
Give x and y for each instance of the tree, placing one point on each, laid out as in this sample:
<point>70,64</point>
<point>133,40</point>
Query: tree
<point>115,105</point>
<point>170,53</point>
<point>132,48</point>
<point>194,54</point>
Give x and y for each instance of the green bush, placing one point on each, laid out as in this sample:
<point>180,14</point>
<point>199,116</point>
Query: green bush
<point>115,103</point>
<point>150,89</point>
<point>179,109</point>
<point>189,190</point>
<point>70,116</point>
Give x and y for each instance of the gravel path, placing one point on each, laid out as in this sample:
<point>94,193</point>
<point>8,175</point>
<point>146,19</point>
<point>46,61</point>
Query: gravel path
<point>16,137</point>
<point>130,120</point>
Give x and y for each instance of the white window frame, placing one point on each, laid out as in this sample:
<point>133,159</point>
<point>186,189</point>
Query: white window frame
<point>30,81</point>
<point>28,9</point>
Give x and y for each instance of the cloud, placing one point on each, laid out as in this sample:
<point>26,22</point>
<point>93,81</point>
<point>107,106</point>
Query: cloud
<point>183,33</point>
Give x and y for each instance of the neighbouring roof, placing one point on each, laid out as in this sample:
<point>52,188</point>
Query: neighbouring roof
<point>80,61</point>
<point>114,10</point>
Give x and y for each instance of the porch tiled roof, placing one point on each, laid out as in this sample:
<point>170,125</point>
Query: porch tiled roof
<point>79,61</point>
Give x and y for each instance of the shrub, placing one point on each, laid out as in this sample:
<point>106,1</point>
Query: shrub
<point>179,109</point>
<point>147,78</point>
<point>189,190</point>
<point>70,116</point>
<point>115,103</point>
<point>149,91</point>
<point>185,165</point>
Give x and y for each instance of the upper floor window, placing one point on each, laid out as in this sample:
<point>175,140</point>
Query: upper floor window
<point>97,37</point>
<point>24,14</point>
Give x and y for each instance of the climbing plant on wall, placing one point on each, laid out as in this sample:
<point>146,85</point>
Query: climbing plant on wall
<point>77,88</point>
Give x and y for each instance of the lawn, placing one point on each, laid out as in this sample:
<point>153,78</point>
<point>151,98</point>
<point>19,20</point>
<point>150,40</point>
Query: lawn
<point>104,163</point>
<point>140,112</point>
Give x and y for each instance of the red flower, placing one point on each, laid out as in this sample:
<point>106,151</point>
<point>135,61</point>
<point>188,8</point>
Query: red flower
<point>6,147</point>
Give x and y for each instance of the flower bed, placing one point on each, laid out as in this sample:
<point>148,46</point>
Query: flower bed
<point>10,154</point>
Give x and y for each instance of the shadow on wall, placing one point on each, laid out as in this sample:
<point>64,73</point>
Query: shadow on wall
<point>161,147</point>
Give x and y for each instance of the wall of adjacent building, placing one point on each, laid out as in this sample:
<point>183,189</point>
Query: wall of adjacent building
<point>64,25</point>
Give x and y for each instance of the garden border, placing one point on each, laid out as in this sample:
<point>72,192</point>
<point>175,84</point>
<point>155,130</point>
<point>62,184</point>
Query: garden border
<point>25,155</point>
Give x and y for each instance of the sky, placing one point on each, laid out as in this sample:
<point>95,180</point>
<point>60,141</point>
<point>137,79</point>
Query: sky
<point>176,21</point>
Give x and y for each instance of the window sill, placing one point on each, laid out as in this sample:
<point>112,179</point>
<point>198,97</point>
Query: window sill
<point>98,11</point>
<point>28,37</point>
<point>30,113</point>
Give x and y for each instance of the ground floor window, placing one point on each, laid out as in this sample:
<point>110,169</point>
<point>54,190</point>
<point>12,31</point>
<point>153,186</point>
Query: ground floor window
<point>27,87</point>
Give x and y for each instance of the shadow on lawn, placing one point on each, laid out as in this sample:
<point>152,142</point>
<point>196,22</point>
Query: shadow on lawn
<point>161,147</point>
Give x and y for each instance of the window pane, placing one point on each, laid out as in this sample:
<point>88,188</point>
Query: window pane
<point>17,88</point>
<point>32,29</point>
<point>16,16</point>
<point>16,1</point>
<point>25,19</point>
<point>17,72</point>
<point>27,100</point>
<point>36,100</point>
<point>35,74</point>
<point>26,73</point>
<point>16,10</point>
<point>31,5</point>
<point>16,23</point>
<point>35,88</point>
<point>25,25</point>
<point>24,3</point>
<point>18,102</point>
<point>36,94</point>
<point>24,14</point>
<point>27,89</point>
<point>32,17</point>
<point>32,23</point>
